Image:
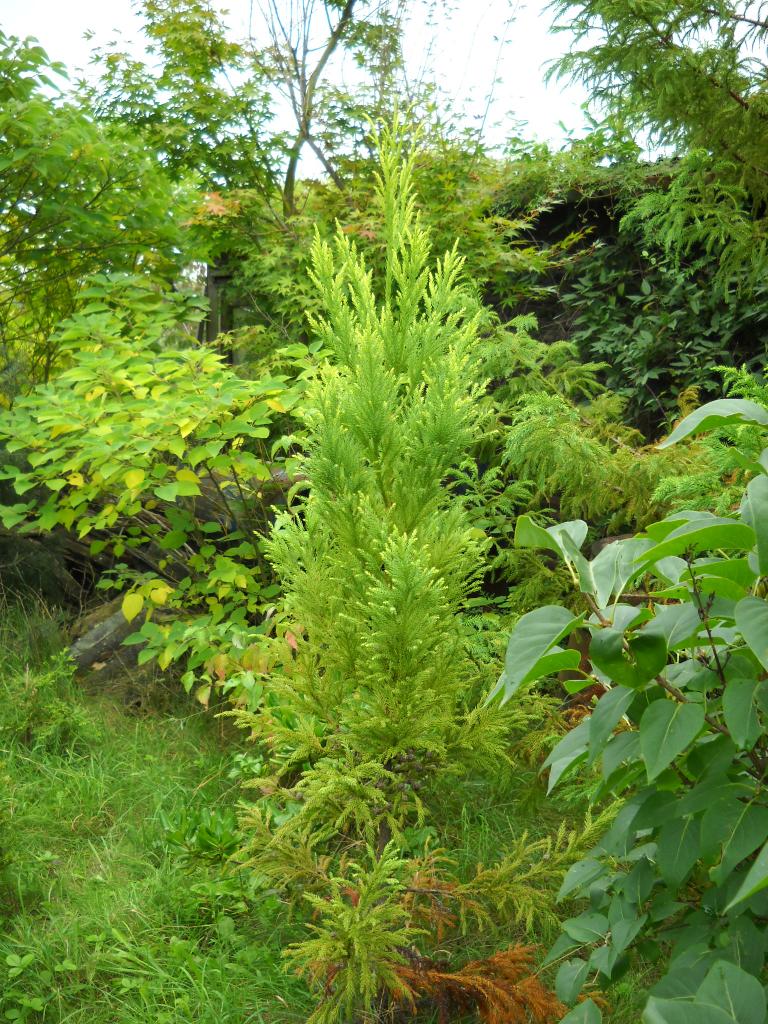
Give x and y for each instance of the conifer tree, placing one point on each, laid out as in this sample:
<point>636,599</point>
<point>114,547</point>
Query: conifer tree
<point>383,701</point>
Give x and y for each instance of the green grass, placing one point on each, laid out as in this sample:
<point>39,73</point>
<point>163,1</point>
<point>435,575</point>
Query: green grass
<point>101,919</point>
<point>114,911</point>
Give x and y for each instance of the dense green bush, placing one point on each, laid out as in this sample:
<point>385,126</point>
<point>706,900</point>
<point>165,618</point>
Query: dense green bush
<point>660,323</point>
<point>661,328</point>
<point>678,624</point>
<point>157,457</point>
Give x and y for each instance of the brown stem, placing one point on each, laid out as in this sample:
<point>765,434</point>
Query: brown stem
<point>308,90</point>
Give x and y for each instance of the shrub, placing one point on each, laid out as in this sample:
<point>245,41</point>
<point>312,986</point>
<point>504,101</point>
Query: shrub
<point>380,707</point>
<point>678,623</point>
<point>155,456</point>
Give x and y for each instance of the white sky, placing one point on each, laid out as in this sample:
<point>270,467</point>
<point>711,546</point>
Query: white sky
<point>464,47</point>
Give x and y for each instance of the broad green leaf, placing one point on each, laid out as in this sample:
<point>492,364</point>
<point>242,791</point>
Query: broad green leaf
<point>736,569</point>
<point>687,971</point>
<point>719,413</point>
<point>756,880</point>
<point>610,709</point>
<point>579,875</point>
<point>564,538</point>
<point>12,515</point>
<point>626,930</point>
<point>623,747</point>
<point>184,488</point>
<point>740,712</point>
<point>682,1011</point>
<point>167,492</point>
<point>571,749</point>
<point>754,511</point>
<point>746,944</point>
<point>701,534</point>
<point>661,529</point>
<point>731,989</point>
<point>666,729</point>
<point>677,623</point>
<point>587,1012</point>
<point>173,539</point>
<point>528,534</point>
<point>752,622</point>
<point>613,567</point>
<point>587,927</point>
<point>132,605</point>
<point>691,674</point>
<point>678,849</point>
<point>643,657</point>
<point>533,637</point>
<point>604,959</point>
<point>570,979</point>
<point>563,945</point>
<point>742,833</point>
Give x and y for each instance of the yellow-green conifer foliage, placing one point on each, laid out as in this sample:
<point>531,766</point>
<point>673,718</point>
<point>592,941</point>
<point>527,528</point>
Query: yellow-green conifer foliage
<point>383,701</point>
<point>380,559</point>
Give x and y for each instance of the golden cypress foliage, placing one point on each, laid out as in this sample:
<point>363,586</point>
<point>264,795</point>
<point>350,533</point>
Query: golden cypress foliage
<point>384,699</point>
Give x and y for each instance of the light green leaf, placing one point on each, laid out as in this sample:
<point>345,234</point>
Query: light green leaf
<point>742,833</point>
<point>678,849</point>
<point>579,875</point>
<point>708,533</point>
<point>678,624</point>
<point>717,414</point>
<point>570,979</point>
<point>587,1012</point>
<point>564,538</point>
<point>682,1011</point>
<point>666,729</point>
<point>571,749</point>
<point>610,709</point>
<point>740,712</point>
<point>756,880</point>
<point>754,511</point>
<point>731,989</point>
<point>752,622</point>
<point>587,927</point>
<point>167,492</point>
<point>613,567</point>
<point>533,637</point>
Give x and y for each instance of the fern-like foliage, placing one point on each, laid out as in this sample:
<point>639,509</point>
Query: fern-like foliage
<point>356,945</point>
<point>523,885</point>
<point>582,463</point>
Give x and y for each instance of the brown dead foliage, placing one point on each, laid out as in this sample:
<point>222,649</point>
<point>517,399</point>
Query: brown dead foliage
<point>502,989</point>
